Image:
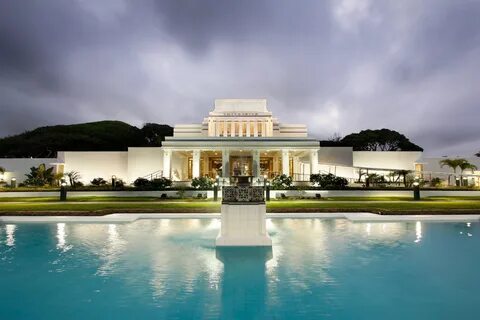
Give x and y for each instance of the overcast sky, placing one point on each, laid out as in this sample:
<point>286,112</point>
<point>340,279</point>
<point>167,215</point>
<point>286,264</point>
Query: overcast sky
<point>337,66</point>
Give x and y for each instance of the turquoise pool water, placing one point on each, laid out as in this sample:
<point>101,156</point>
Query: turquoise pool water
<point>170,269</point>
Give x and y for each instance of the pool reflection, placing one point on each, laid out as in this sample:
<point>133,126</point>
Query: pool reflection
<point>244,282</point>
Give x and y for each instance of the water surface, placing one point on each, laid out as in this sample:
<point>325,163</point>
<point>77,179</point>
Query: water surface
<point>169,269</point>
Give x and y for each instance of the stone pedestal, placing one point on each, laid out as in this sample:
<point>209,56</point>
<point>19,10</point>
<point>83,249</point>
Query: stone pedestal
<point>243,225</point>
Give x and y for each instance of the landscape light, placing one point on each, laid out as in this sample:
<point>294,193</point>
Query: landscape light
<point>63,191</point>
<point>416,189</point>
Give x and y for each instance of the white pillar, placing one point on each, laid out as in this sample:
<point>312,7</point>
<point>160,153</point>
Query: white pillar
<point>248,129</point>
<point>225,163</point>
<point>217,128</point>
<point>285,163</point>
<point>256,163</point>
<point>167,158</point>
<point>196,164</point>
<point>264,129</point>
<point>225,129</point>
<point>255,128</point>
<point>211,128</point>
<point>313,161</point>
<point>232,129</point>
<point>240,128</point>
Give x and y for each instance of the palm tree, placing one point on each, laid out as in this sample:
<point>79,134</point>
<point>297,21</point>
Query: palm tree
<point>404,174</point>
<point>454,164</point>
<point>466,166</point>
<point>73,177</point>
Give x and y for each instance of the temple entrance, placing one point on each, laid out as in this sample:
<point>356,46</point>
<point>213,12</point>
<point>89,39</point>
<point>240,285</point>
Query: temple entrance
<point>240,166</point>
<point>215,167</point>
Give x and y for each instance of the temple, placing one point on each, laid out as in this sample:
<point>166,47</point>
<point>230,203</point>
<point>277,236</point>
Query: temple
<point>239,137</point>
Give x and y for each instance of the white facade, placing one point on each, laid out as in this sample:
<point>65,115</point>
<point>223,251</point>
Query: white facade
<point>239,137</point>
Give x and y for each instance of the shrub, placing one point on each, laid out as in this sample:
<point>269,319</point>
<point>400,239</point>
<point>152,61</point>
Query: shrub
<point>98,182</point>
<point>141,182</point>
<point>160,183</point>
<point>436,182</point>
<point>328,181</point>
<point>40,176</point>
<point>119,183</point>
<point>202,183</point>
<point>282,182</point>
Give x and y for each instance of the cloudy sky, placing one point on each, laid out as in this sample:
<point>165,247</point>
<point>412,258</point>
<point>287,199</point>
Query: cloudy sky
<point>339,66</point>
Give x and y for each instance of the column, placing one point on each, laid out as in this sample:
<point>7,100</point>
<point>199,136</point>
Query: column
<point>210,128</point>
<point>240,128</point>
<point>167,158</point>
<point>248,129</point>
<point>225,129</point>
<point>285,163</point>
<point>217,128</point>
<point>232,129</point>
<point>313,161</point>
<point>196,164</point>
<point>264,129</point>
<point>225,163</point>
<point>256,163</point>
<point>255,128</point>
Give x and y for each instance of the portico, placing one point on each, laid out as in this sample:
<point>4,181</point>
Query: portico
<point>239,137</point>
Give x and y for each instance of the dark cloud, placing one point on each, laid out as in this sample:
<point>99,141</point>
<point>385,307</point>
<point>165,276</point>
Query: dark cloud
<point>338,66</point>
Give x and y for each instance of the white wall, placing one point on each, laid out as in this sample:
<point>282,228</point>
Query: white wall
<point>399,160</point>
<point>144,161</point>
<point>346,172</point>
<point>432,164</point>
<point>97,164</point>
<point>18,167</point>
<point>339,156</point>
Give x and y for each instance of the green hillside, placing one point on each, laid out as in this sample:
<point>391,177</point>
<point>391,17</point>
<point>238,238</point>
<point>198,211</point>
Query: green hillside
<point>93,136</point>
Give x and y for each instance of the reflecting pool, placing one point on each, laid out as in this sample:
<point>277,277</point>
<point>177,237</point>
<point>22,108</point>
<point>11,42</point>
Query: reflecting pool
<point>170,269</point>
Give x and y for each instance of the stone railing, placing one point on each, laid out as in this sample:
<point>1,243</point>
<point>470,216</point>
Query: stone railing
<point>243,194</point>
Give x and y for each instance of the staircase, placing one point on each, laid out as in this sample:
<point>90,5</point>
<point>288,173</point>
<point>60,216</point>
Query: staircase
<point>154,175</point>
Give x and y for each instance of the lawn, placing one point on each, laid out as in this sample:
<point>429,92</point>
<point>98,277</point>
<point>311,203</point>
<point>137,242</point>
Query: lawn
<point>105,205</point>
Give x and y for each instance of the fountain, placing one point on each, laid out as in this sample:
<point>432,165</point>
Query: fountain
<point>243,215</point>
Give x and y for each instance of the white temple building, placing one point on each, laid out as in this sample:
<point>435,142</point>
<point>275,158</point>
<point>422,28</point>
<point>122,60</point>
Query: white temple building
<point>238,137</point>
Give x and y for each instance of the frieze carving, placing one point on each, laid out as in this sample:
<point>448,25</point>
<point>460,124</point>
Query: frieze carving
<point>242,194</point>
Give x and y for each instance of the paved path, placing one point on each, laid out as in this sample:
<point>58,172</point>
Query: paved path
<point>131,217</point>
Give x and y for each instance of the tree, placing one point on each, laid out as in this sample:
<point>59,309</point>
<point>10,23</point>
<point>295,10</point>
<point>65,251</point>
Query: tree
<point>2,170</point>
<point>466,166</point>
<point>40,176</point>
<point>73,178</point>
<point>380,140</point>
<point>477,154</point>
<point>454,164</point>
<point>155,133</point>
<point>45,142</point>
<point>404,174</point>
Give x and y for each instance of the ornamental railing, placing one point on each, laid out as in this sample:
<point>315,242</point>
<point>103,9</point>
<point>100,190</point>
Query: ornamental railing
<point>243,195</point>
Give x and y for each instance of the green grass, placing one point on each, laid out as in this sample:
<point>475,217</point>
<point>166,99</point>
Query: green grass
<point>96,199</point>
<point>109,205</point>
